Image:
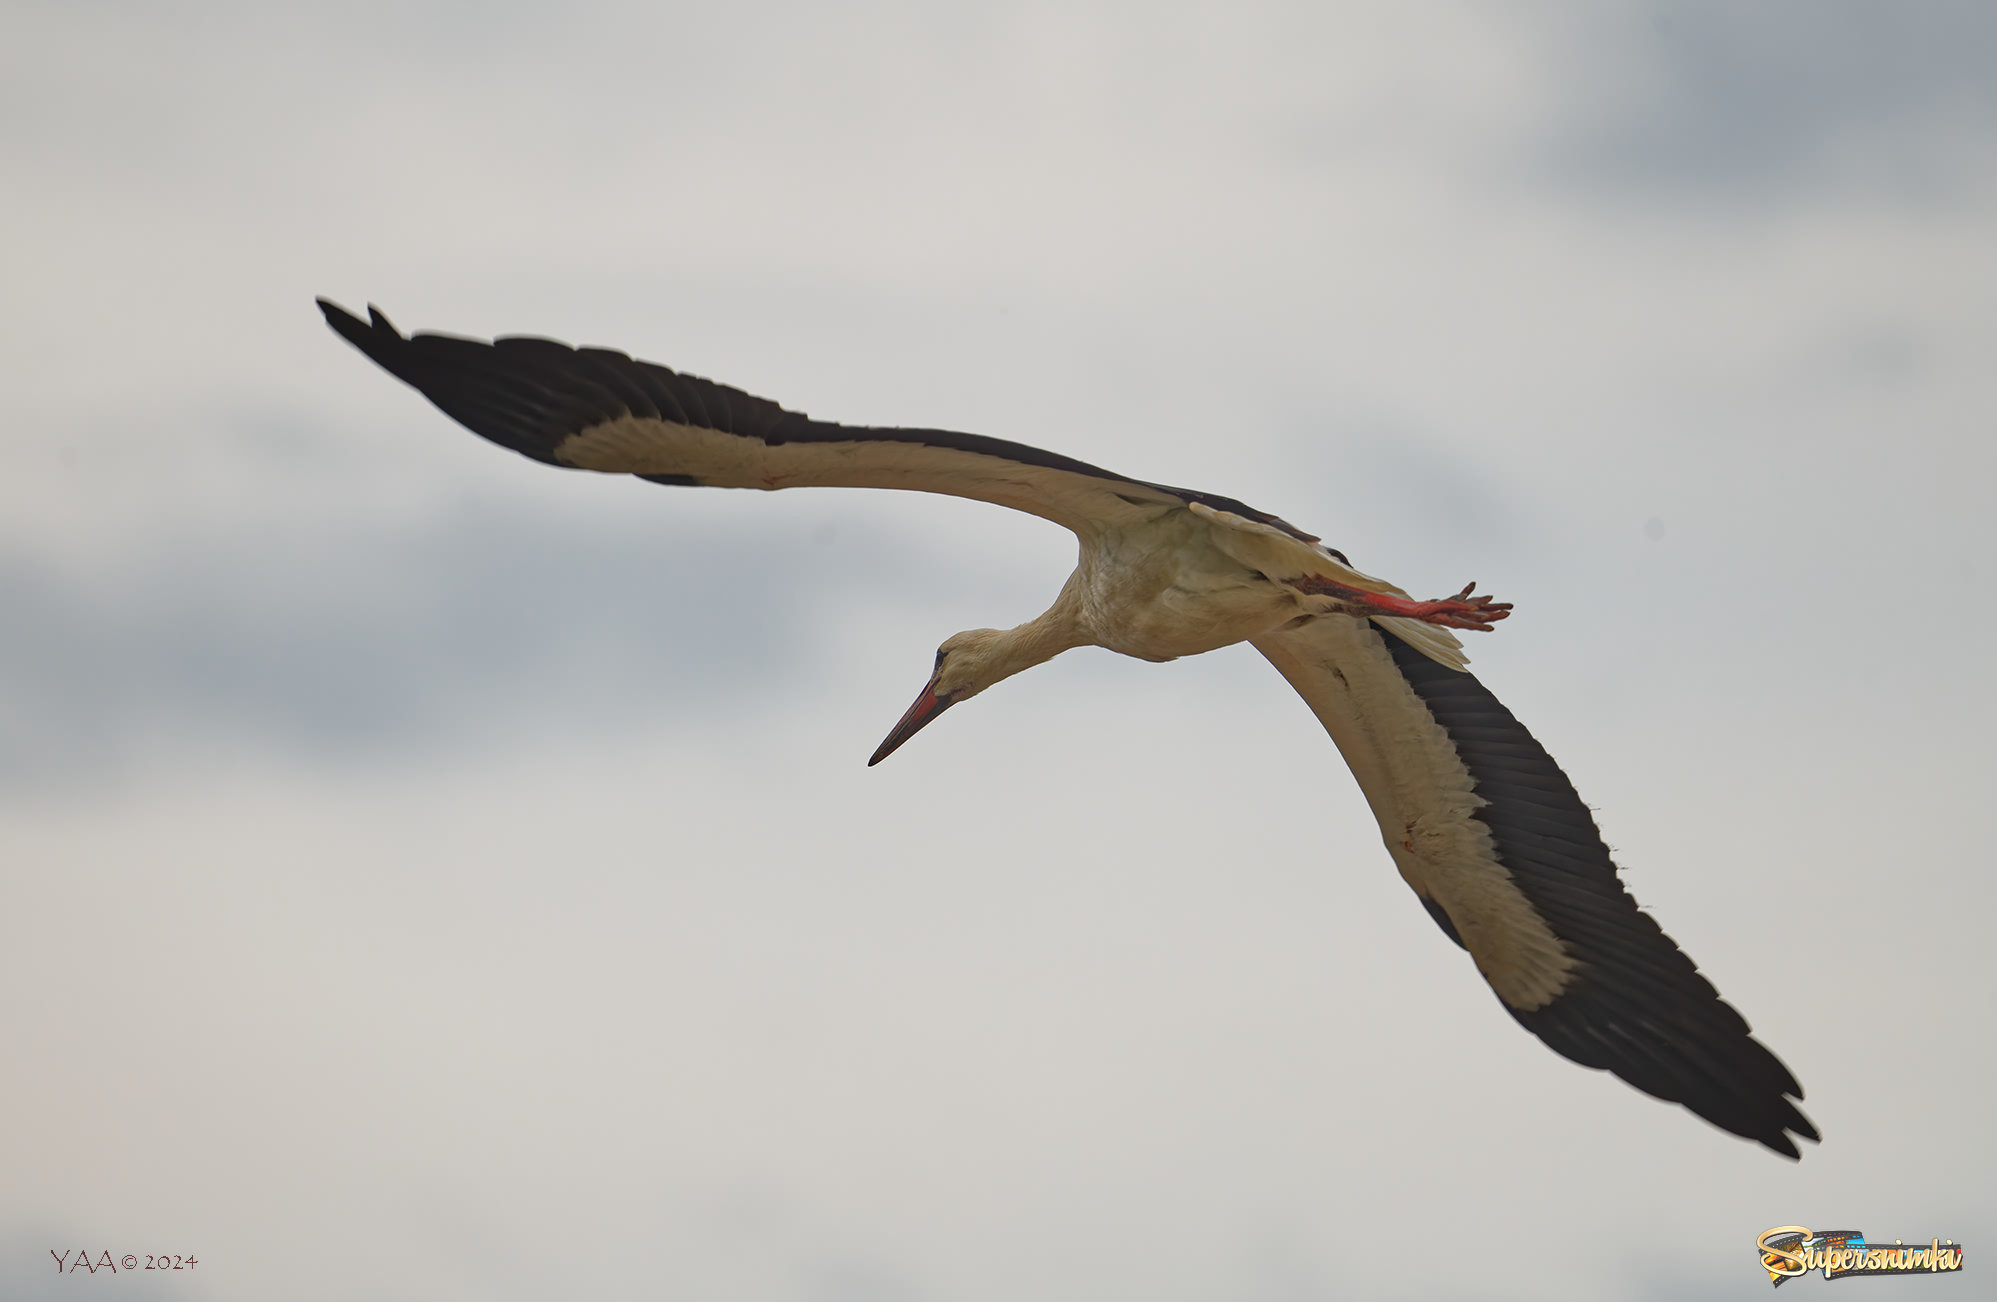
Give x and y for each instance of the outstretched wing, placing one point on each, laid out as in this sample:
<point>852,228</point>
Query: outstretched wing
<point>593,409</point>
<point>1492,837</point>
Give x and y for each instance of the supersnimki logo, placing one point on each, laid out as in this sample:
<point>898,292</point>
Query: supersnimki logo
<point>1791,1250</point>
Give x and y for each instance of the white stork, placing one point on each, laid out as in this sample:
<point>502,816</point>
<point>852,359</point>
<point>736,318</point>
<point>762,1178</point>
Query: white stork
<point>1481,822</point>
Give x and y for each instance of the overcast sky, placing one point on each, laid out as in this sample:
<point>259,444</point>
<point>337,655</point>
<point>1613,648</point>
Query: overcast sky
<point>431,875</point>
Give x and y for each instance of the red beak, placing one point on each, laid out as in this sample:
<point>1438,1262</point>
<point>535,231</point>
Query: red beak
<point>927,706</point>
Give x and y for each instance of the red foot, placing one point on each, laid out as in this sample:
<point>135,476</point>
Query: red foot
<point>1464,611</point>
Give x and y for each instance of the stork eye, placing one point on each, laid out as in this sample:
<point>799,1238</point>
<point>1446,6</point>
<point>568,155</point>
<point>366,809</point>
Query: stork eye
<point>940,653</point>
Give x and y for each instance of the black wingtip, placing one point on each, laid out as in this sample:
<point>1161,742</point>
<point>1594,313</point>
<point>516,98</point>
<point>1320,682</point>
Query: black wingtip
<point>344,323</point>
<point>348,324</point>
<point>1803,1128</point>
<point>1783,1135</point>
<point>376,337</point>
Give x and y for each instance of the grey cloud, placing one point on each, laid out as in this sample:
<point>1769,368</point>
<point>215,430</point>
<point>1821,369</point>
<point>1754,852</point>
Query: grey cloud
<point>1754,101</point>
<point>421,634</point>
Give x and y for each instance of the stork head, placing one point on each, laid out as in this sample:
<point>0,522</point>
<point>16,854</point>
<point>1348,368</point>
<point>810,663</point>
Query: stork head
<point>966,664</point>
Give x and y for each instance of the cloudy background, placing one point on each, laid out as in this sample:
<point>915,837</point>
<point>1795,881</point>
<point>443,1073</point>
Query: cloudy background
<point>430,875</point>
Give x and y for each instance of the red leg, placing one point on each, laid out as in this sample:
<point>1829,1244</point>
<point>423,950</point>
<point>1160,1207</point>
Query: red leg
<point>1464,611</point>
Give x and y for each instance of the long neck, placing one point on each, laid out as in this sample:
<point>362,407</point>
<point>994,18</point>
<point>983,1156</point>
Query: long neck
<point>1040,640</point>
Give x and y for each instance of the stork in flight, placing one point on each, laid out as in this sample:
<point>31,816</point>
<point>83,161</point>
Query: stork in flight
<point>1481,822</point>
